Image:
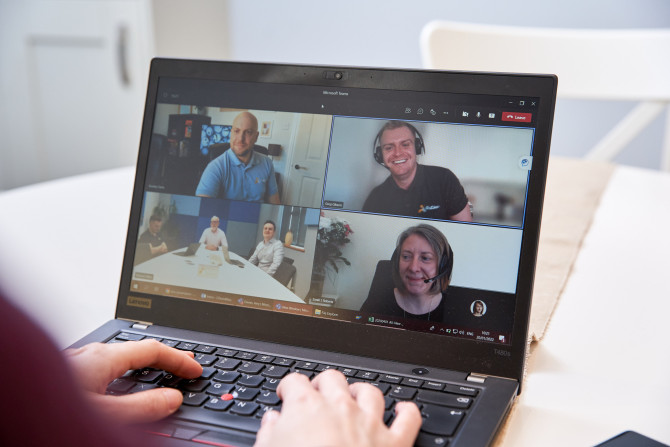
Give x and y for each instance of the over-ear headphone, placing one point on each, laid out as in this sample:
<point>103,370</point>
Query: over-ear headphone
<point>377,148</point>
<point>444,266</point>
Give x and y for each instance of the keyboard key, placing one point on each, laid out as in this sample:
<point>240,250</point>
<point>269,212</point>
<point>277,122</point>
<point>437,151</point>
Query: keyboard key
<point>227,363</point>
<point>170,343</point>
<point>148,375</point>
<point>280,361</point>
<point>226,376</point>
<point>321,367</point>
<point>276,372</point>
<point>218,404</point>
<point>244,408</point>
<point>207,372</point>
<point>367,375</point>
<point>459,389</point>
<point>245,355</point>
<point>194,399</point>
<point>251,368</point>
<point>186,346</point>
<point>402,392</point>
<point>205,359</point>
<point>444,399</point>
<point>127,336</point>
<point>383,387</point>
<point>205,349</point>
<point>348,372</point>
<point>436,386</point>
<point>262,358</point>
<point>309,366</point>
<point>426,440</point>
<point>304,372</point>
<point>251,380</point>
<point>268,398</point>
<point>265,408</point>
<point>390,378</point>
<point>271,384</point>
<point>440,420</point>
<point>408,381</point>
<point>194,385</point>
<point>218,388</point>
<point>244,393</point>
<point>169,380</point>
<point>223,352</point>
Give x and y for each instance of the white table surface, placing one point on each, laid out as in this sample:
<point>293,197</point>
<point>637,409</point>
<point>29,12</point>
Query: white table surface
<point>602,368</point>
<point>207,270</point>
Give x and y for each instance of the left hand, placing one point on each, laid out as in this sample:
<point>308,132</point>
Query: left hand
<point>96,365</point>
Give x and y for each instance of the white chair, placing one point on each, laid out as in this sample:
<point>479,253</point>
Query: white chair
<point>590,64</point>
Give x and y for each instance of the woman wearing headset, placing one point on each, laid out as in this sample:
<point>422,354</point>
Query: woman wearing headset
<point>420,271</point>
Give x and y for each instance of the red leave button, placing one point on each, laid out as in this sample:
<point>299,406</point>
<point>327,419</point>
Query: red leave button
<point>516,116</point>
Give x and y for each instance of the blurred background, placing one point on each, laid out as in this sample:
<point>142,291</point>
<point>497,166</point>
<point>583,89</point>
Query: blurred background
<point>73,73</point>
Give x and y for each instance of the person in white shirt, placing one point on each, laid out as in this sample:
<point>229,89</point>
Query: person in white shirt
<point>269,252</point>
<point>212,237</point>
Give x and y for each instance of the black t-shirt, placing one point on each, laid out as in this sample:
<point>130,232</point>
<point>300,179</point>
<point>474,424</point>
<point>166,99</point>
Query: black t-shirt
<point>153,239</point>
<point>435,193</point>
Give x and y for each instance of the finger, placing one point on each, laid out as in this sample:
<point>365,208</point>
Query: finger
<point>294,386</point>
<point>369,398</point>
<point>145,406</point>
<point>265,434</point>
<point>269,419</point>
<point>332,384</point>
<point>407,422</point>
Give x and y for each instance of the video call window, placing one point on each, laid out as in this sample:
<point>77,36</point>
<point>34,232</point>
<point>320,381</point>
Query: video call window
<point>462,172</point>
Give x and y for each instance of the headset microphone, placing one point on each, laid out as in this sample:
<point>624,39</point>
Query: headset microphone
<point>435,277</point>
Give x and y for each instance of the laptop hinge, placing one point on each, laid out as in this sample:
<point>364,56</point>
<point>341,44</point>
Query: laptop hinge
<point>476,377</point>
<point>141,325</point>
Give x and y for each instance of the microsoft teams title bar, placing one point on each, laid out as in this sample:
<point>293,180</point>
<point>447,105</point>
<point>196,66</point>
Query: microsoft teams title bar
<point>408,105</point>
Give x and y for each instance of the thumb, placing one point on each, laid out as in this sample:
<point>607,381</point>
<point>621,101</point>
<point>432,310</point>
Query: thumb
<point>145,406</point>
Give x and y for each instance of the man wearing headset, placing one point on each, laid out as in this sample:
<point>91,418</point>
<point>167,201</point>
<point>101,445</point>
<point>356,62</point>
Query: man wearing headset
<point>413,189</point>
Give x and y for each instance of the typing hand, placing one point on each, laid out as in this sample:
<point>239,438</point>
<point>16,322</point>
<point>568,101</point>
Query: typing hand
<point>96,365</point>
<point>329,411</point>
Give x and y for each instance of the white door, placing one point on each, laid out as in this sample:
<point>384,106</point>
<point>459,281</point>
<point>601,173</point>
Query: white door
<point>308,164</point>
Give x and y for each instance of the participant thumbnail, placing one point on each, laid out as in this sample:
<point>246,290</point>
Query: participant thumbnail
<point>431,170</point>
<point>234,154</point>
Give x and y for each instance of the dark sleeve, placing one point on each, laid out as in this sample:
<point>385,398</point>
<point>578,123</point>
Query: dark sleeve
<point>41,402</point>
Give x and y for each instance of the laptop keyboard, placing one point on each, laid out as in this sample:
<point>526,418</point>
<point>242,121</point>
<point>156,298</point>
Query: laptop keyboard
<point>237,387</point>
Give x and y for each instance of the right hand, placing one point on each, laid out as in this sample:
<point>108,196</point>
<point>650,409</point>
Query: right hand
<point>328,411</point>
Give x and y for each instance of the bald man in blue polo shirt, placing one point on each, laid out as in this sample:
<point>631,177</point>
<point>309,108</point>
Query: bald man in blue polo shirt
<point>241,173</point>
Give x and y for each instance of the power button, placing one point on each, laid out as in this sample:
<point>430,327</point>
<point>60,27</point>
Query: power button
<point>420,371</point>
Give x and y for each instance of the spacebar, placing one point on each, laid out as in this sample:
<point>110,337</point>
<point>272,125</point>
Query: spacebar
<point>195,414</point>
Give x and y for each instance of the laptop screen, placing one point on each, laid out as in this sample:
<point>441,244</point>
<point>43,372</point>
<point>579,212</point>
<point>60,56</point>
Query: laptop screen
<point>389,208</point>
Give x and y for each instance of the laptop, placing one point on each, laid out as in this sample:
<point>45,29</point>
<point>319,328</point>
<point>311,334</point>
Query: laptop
<point>365,168</point>
<point>190,250</point>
